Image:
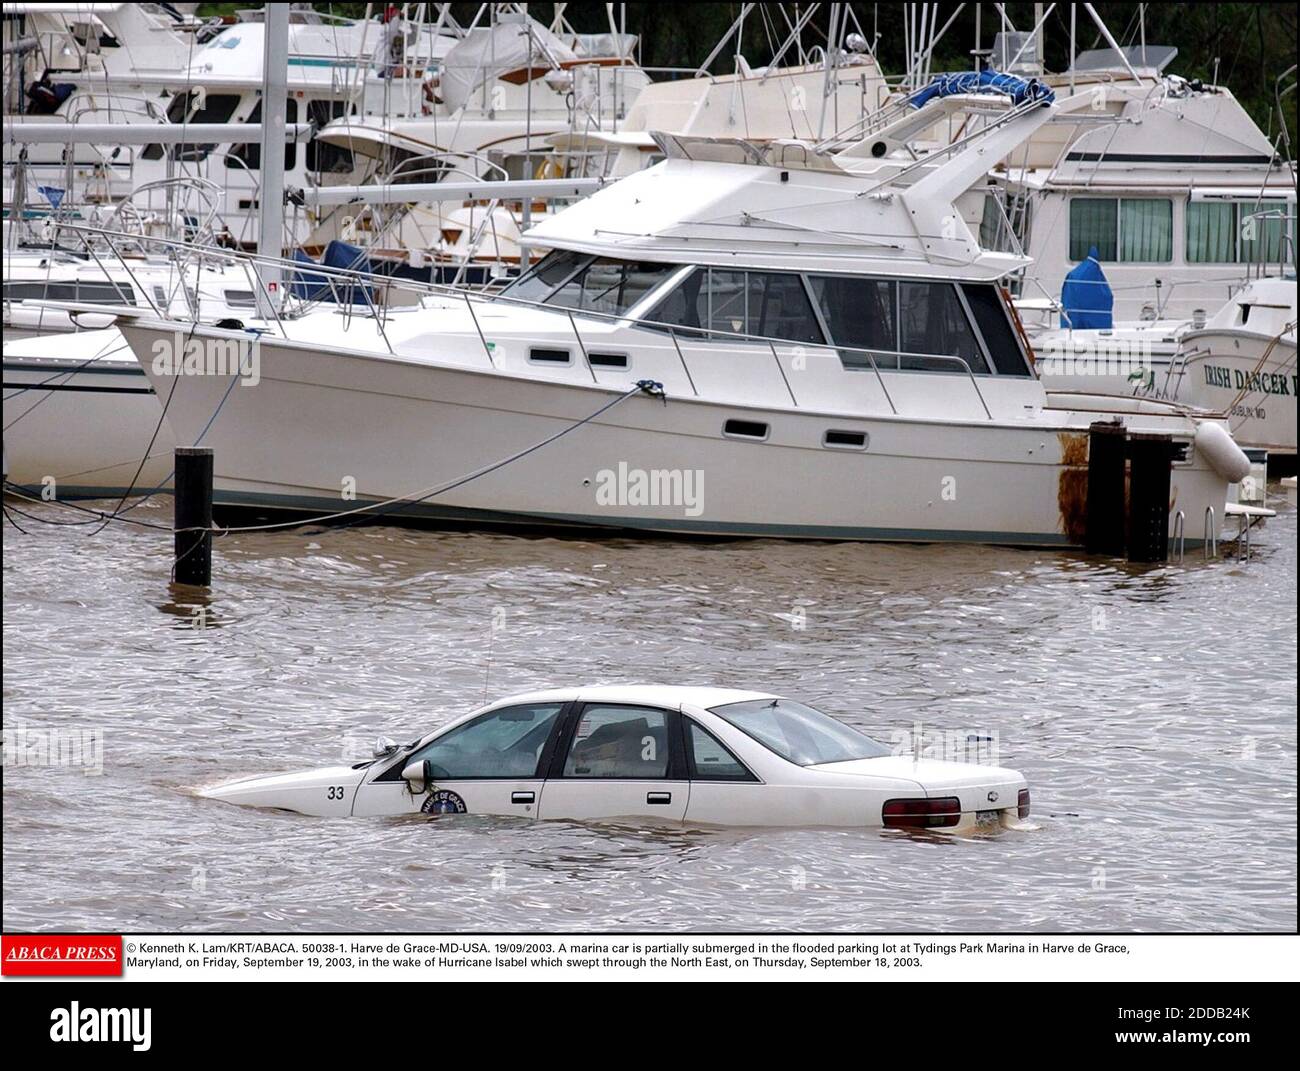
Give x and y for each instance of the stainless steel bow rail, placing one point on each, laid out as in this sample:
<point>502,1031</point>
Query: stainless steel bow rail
<point>358,292</point>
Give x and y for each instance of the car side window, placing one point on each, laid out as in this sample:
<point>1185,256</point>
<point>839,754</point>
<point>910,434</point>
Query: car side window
<point>710,759</point>
<point>503,743</point>
<point>619,742</point>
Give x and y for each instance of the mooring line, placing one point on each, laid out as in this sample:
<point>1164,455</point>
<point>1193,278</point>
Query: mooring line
<point>649,387</point>
<point>18,491</point>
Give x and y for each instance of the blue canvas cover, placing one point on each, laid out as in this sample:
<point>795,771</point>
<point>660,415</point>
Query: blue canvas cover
<point>313,286</point>
<point>1019,90</point>
<point>351,258</point>
<point>341,255</point>
<point>1086,299</point>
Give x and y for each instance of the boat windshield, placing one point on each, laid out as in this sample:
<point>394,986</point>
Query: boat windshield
<point>799,733</point>
<point>927,325</point>
<point>590,284</point>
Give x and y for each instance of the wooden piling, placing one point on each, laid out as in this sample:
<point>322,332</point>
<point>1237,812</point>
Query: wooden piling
<point>1104,523</point>
<point>192,563</point>
<point>1150,458</point>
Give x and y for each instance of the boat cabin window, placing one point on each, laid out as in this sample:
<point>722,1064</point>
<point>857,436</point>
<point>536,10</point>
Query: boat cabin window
<point>250,153</point>
<point>767,304</point>
<point>989,311</point>
<point>859,313</point>
<point>1128,229</point>
<point>240,299</point>
<point>916,325</point>
<point>1263,227</point>
<point>778,307</point>
<point>1228,232</point>
<point>90,293</point>
<point>542,278</point>
<point>591,284</point>
<point>1005,224</point>
<point>321,157</point>
<point>1211,232</point>
<point>217,108</point>
<point>177,111</point>
<point>932,321</point>
<point>609,286</point>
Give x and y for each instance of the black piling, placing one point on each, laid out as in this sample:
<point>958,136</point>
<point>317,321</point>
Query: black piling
<point>1150,458</point>
<point>1104,524</point>
<point>193,522</point>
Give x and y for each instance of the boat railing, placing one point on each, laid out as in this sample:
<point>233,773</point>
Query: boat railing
<point>1005,239</point>
<point>1243,537</point>
<point>276,279</point>
<point>91,108</point>
<point>1164,299</point>
<point>955,147</point>
<point>193,202</point>
<point>1262,265</point>
<point>1177,370</point>
<point>866,125</point>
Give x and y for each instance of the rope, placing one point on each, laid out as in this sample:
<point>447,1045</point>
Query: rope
<point>17,491</point>
<point>651,388</point>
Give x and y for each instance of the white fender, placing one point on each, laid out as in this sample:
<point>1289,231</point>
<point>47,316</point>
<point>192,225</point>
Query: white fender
<point>1224,455</point>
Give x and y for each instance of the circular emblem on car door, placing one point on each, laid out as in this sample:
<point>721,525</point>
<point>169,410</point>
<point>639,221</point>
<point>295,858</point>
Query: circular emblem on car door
<point>443,801</point>
<point>993,797</point>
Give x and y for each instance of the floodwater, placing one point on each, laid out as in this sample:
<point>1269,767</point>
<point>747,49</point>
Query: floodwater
<point>1153,711</point>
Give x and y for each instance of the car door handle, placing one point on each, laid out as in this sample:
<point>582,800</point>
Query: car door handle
<point>658,797</point>
<point>522,797</point>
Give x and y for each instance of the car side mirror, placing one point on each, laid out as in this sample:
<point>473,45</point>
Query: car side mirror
<point>416,771</point>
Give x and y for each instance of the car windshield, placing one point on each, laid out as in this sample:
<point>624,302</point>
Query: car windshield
<point>799,733</point>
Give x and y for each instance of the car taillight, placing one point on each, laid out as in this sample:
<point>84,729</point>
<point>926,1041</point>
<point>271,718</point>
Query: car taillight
<point>921,814</point>
<point>1023,803</point>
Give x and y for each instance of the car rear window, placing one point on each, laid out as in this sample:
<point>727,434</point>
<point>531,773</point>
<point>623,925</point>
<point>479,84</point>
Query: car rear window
<point>798,733</point>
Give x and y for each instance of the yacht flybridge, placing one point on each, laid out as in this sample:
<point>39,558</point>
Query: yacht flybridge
<point>741,340</point>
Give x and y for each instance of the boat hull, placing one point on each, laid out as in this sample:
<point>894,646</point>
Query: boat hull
<point>74,431</point>
<point>1250,378</point>
<point>365,429</point>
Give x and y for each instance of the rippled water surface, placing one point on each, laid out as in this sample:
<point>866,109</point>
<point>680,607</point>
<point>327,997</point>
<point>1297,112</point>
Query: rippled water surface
<point>1152,709</point>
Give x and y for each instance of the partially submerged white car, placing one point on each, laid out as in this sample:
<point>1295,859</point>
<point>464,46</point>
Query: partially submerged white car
<point>706,756</point>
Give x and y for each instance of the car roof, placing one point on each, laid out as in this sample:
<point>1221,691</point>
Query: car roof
<point>666,695</point>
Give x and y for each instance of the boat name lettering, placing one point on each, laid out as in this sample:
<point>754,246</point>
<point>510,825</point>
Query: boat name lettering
<point>1258,382</point>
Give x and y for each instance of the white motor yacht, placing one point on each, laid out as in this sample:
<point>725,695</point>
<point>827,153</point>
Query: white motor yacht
<point>737,341</point>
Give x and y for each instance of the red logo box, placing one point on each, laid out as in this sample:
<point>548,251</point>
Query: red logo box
<point>84,954</point>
